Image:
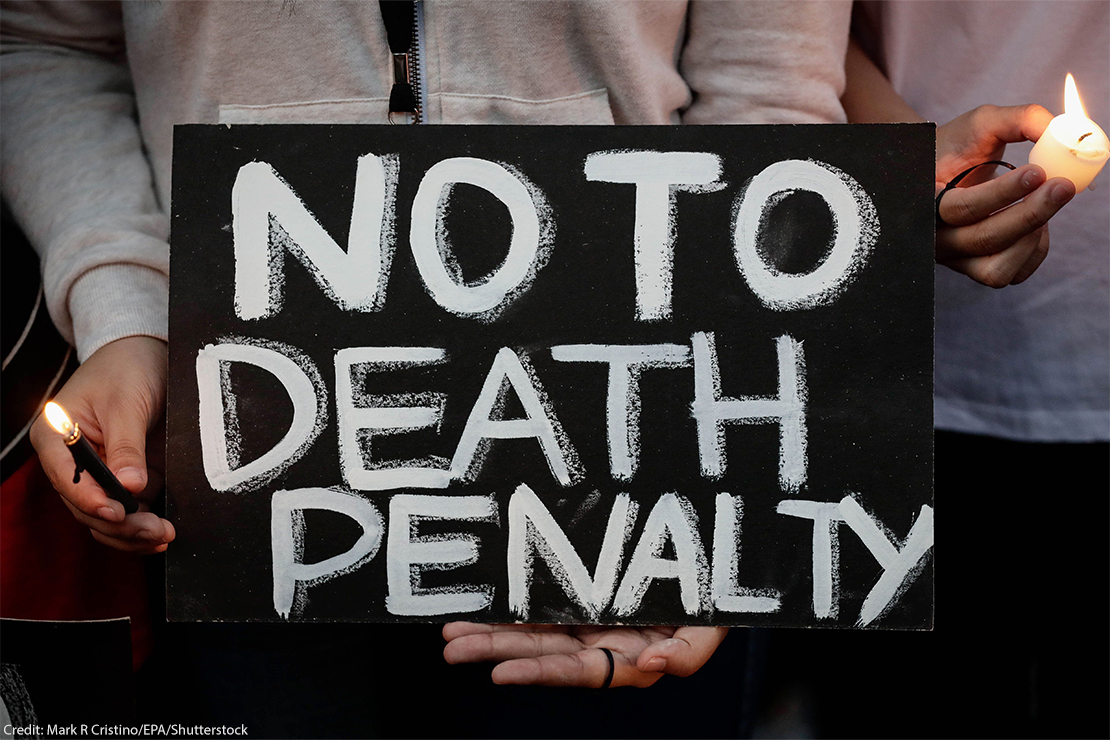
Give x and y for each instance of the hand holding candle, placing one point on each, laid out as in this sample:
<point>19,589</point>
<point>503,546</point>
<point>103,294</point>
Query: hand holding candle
<point>1073,146</point>
<point>117,398</point>
<point>86,459</point>
<point>995,229</point>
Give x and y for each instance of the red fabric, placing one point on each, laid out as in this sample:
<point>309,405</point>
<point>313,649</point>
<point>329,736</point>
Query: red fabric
<point>52,568</point>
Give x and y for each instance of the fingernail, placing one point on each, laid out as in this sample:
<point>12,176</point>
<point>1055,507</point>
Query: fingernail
<point>1060,193</point>
<point>107,513</point>
<point>130,477</point>
<point>656,665</point>
<point>1031,179</point>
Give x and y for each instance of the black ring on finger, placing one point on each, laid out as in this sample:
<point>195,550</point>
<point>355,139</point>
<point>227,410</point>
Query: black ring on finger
<point>956,181</point>
<point>612,668</point>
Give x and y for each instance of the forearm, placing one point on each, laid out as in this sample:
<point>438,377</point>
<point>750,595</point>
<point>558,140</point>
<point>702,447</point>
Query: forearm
<point>76,178</point>
<point>766,62</point>
<point>993,231</point>
<point>868,95</point>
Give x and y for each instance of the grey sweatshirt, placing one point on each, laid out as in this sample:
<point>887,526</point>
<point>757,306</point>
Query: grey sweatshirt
<point>91,91</point>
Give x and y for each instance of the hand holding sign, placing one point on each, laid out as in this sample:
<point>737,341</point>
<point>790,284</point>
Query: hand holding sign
<point>117,397</point>
<point>567,655</point>
<point>994,231</point>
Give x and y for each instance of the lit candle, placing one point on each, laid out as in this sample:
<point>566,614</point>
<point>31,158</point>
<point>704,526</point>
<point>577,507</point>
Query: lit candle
<point>1073,146</point>
<point>86,458</point>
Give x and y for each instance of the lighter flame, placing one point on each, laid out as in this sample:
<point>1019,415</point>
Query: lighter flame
<point>58,418</point>
<point>1073,106</point>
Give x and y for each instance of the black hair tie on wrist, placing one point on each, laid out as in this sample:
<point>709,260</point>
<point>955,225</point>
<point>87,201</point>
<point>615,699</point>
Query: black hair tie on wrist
<point>956,181</point>
<point>612,669</point>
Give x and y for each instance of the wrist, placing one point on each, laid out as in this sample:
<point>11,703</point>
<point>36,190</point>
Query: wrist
<point>116,301</point>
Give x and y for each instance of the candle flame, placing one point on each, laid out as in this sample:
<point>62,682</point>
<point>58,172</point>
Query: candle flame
<point>1072,104</point>
<point>58,418</point>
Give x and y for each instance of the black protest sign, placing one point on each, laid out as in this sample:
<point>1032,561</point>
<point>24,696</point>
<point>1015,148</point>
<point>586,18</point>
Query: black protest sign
<point>651,375</point>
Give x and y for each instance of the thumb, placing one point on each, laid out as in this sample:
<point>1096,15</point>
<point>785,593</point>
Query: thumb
<point>125,447</point>
<point>1014,123</point>
<point>684,653</point>
<point>982,134</point>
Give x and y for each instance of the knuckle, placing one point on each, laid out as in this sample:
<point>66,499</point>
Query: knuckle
<point>1042,248</point>
<point>1031,110</point>
<point>1032,219</point>
<point>536,643</point>
<point>575,664</point>
<point>983,240</point>
<point>993,277</point>
<point>983,112</point>
<point>139,412</point>
<point>126,448</point>
<point>1035,260</point>
<point>136,401</point>
<point>965,212</point>
<point>79,505</point>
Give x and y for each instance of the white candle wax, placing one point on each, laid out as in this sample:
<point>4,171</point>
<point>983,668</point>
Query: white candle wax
<point>1073,146</point>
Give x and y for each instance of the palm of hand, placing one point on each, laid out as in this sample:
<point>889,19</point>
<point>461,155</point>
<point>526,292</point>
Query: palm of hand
<point>569,655</point>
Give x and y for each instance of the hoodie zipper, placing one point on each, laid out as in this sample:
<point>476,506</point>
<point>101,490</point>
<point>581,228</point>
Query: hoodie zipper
<point>417,77</point>
<point>404,23</point>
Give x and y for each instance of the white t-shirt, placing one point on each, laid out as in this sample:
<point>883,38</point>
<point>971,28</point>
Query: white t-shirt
<point>1032,361</point>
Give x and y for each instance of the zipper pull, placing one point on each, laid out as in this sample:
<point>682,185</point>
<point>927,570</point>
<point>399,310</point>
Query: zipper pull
<point>398,17</point>
<point>402,98</point>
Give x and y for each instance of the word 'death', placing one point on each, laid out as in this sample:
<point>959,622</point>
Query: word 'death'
<point>655,375</point>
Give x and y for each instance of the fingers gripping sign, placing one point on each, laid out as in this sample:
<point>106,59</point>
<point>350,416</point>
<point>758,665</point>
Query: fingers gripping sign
<point>584,656</point>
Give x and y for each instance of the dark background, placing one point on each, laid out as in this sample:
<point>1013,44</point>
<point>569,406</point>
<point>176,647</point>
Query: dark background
<point>50,667</point>
<point>868,357</point>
